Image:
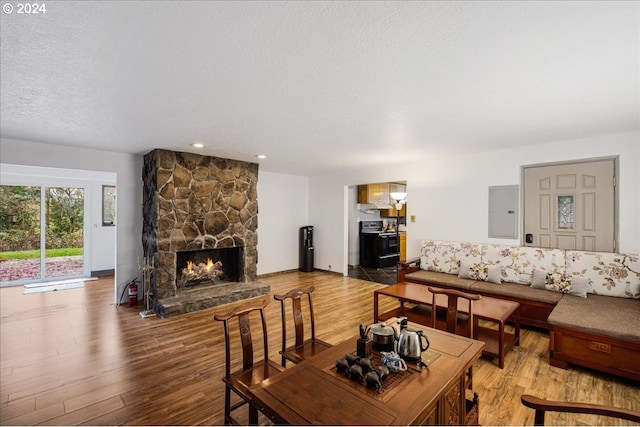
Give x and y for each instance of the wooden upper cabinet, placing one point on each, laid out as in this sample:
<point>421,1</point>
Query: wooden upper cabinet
<point>392,213</point>
<point>377,194</point>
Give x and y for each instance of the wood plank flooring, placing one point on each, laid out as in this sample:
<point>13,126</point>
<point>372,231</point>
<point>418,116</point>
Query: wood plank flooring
<point>72,357</point>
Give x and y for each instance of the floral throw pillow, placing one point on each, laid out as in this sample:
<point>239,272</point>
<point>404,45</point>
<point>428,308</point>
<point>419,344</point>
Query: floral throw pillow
<point>480,271</point>
<point>558,282</point>
<point>577,286</point>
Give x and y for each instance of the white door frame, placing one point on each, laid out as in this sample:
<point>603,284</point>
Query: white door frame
<point>11,174</point>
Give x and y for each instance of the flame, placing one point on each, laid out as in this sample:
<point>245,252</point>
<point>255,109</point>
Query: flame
<point>189,266</point>
<point>209,264</point>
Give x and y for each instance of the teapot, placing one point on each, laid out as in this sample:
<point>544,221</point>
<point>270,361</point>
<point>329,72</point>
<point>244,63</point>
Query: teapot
<point>383,336</point>
<point>410,342</point>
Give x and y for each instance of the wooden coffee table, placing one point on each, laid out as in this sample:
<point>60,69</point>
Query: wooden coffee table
<point>497,341</point>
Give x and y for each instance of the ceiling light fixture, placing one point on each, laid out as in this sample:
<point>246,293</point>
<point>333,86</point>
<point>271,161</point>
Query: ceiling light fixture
<point>197,145</point>
<point>261,156</point>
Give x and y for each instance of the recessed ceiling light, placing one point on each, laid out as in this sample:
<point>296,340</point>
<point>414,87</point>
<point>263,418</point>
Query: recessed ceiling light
<point>261,156</point>
<point>197,145</point>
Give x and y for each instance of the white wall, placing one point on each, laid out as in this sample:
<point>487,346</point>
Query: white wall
<point>449,197</point>
<point>103,243</point>
<point>283,207</point>
<point>128,169</point>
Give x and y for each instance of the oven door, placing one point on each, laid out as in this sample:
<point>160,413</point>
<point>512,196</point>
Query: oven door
<point>388,250</point>
<point>369,250</point>
<point>387,244</point>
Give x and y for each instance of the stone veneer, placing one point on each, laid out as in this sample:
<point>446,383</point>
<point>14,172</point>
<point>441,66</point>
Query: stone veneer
<point>198,202</point>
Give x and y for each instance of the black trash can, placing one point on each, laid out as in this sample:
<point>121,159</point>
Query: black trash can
<point>305,252</point>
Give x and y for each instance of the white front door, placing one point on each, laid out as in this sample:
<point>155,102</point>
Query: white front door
<point>570,206</point>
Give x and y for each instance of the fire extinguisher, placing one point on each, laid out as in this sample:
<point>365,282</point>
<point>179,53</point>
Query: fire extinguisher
<point>133,293</point>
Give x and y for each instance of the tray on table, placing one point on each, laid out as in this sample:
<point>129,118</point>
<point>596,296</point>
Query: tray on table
<point>391,382</point>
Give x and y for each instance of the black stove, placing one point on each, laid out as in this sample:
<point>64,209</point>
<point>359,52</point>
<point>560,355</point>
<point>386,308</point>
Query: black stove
<point>378,248</point>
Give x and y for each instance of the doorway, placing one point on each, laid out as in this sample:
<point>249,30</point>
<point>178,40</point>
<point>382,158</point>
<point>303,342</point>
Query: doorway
<point>571,205</point>
<point>372,204</point>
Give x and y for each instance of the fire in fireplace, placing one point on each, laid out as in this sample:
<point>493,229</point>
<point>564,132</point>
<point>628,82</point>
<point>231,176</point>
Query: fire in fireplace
<point>208,266</point>
<point>203,272</point>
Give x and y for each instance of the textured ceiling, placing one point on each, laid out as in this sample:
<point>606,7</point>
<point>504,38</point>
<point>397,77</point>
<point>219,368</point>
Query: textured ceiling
<point>318,86</point>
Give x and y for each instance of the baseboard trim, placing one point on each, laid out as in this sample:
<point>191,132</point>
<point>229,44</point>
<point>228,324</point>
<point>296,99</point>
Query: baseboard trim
<point>278,273</point>
<point>329,271</point>
<point>100,273</point>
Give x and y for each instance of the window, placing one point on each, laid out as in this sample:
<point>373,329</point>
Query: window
<point>565,213</point>
<point>108,205</point>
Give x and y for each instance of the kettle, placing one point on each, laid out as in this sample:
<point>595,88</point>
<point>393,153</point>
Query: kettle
<point>410,342</point>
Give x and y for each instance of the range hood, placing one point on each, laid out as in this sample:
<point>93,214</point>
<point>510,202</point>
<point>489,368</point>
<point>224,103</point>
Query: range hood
<point>371,207</point>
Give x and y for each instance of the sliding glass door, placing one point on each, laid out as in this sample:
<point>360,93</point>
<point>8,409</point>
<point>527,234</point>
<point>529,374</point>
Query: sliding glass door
<point>41,233</point>
<point>64,232</point>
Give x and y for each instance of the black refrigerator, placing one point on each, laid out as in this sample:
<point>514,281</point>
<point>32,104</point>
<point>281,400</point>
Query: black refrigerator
<point>305,251</point>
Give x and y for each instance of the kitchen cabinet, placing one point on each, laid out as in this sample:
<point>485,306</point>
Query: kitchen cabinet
<point>403,246</point>
<point>377,194</point>
<point>392,212</point>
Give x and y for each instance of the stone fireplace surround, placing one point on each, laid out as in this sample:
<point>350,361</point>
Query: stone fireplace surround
<point>199,202</point>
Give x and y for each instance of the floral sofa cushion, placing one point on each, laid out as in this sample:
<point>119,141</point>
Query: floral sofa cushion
<point>608,273</point>
<point>519,262</point>
<point>445,257</point>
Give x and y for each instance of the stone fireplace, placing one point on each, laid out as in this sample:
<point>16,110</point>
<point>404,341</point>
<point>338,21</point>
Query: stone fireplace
<point>204,210</point>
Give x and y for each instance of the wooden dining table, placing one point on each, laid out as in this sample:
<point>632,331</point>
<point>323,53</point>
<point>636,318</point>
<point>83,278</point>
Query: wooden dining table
<point>314,392</point>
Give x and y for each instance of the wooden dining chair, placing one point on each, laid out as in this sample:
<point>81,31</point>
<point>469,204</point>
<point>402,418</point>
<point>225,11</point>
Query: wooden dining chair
<point>302,349</point>
<point>454,322</point>
<point>251,372</point>
<point>542,405</point>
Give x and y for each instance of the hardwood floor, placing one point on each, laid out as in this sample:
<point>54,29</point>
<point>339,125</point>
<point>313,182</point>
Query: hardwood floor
<point>73,358</point>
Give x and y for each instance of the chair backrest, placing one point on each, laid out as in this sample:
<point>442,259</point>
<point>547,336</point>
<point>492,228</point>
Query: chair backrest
<point>244,323</point>
<point>452,307</point>
<point>295,295</point>
<point>542,405</point>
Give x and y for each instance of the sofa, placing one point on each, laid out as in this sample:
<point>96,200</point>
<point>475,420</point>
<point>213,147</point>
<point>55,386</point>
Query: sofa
<point>589,301</point>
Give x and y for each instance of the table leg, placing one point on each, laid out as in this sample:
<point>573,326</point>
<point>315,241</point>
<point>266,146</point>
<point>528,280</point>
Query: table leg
<point>501,345</point>
<point>375,306</point>
<point>517,332</point>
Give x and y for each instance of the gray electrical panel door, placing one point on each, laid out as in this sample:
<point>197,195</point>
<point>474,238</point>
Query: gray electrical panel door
<point>503,211</point>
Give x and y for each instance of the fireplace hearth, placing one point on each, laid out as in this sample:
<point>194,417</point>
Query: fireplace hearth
<point>200,226</point>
